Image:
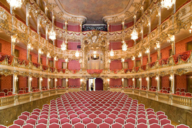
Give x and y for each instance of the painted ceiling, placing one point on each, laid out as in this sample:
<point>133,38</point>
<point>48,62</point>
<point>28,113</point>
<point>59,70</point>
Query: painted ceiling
<point>94,10</point>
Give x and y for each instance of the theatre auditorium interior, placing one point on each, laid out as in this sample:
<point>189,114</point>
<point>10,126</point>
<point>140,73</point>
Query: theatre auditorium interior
<point>95,63</point>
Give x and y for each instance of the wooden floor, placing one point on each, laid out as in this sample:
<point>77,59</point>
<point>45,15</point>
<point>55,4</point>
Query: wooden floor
<point>172,122</point>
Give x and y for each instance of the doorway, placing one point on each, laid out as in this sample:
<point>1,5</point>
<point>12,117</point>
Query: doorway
<point>96,83</point>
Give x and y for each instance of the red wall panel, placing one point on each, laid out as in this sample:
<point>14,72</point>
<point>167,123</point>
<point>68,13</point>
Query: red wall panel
<point>99,84</point>
<point>72,82</point>
<point>73,45</point>
<point>114,82</point>
<point>73,65</point>
<point>116,64</point>
<point>74,28</point>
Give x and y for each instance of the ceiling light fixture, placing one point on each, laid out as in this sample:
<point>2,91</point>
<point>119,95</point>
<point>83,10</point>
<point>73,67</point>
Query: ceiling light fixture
<point>15,3</point>
<point>63,46</point>
<point>167,3</point>
<point>124,46</point>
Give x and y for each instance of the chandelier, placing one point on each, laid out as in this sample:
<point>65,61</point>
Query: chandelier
<point>63,46</point>
<point>167,3</point>
<point>52,34</point>
<point>77,53</point>
<point>111,52</point>
<point>48,55</point>
<point>15,3</point>
<point>66,60</point>
<point>124,47</point>
<point>133,58</point>
<point>55,58</point>
<point>134,34</point>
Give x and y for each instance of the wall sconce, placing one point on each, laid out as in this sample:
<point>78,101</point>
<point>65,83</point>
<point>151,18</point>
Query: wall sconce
<point>49,79</point>
<point>16,78</point>
<point>30,78</point>
<point>133,79</point>
<point>66,79</point>
<point>55,79</point>
<point>108,80</point>
<point>41,79</point>
<point>157,78</point>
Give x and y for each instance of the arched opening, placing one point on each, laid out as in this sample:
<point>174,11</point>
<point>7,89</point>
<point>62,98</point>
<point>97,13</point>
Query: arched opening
<point>99,84</point>
<point>96,83</point>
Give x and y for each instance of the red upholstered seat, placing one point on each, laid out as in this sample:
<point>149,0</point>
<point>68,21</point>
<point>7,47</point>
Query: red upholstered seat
<point>75,120</point>
<point>86,120</point>
<point>15,126</point>
<point>168,126</point>
<point>165,121</point>
<point>129,125</point>
<point>66,125</point>
<point>91,125</point>
<point>79,125</point>
<point>154,126</point>
<point>54,125</point>
<point>116,125</point>
<point>43,121</point>
<point>28,126</point>
<point>19,122</point>
<point>182,126</point>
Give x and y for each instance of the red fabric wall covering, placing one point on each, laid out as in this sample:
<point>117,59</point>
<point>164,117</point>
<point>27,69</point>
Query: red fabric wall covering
<point>153,57</point>
<point>59,82</point>
<point>58,24</point>
<point>129,82</point>
<point>59,63</point>
<point>130,43</point>
<point>115,45</point>
<point>153,82</point>
<point>73,45</point>
<point>23,82</point>
<point>113,28</point>
<point>99,84</point>
<point>58,43</point>
<point>130,63</point>
<point>76,82</point>
<point>114,82</point>
<point>165,81</point>
<point>73,65</point>
<point>181,81</point>
<point>145,60</point>
<point>34,82</point>
<point>44,82</point>
<point>6,82</point>
<point>116,65</point>
<point>144,82</point>
<point>74,28</point>
<point>129,24</point>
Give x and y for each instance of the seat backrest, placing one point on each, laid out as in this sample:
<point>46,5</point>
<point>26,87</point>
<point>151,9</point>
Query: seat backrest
<point>28,126</point>
<point>23,117</point>
<point>116,125</point>
<point>19,122</point>
<point>79,125</point>
<point>31,121</point>
<point>129,125</point>
<point>182,126</point>
<point>104,125</point>
<point>154,126</point>
<point>168,126</point>
<point>142,126</point>
<point>43,121</point>
<point>153,121</point>
<point>2,126</point>
<point>15,126</point>
<point>91,125</point>
<point>165,121</point>
<point>54,125</point>
<point>66,125</point>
